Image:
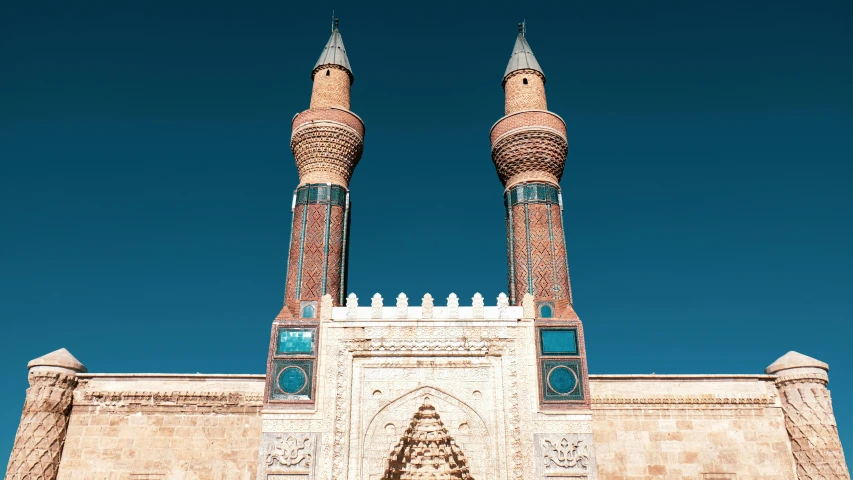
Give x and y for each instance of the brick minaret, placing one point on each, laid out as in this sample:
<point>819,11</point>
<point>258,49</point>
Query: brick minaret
<point>529,149</point>
<point>327,142</point>
<point>44,421</point>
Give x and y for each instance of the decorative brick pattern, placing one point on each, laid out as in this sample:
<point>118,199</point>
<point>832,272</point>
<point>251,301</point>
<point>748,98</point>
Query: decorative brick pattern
<point>326,152</point>
<point>294,256</point>
<point>313,257</point>
<point>529,149</point>
<point>560,259</point>
<point>528,118</point>
<point>331,87</point>
<point>524,96</point>
<point>332,114</point>
<point>811,426</point>
<point>335,255</point>
<point>519,280</point>
<point>538,248</point>
<point>41,433</point>
<point>317,257</point>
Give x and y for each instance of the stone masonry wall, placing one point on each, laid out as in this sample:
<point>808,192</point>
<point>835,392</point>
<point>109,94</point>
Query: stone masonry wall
<point>673,427</point>
<point>193,427</point>
<point>164,428</point>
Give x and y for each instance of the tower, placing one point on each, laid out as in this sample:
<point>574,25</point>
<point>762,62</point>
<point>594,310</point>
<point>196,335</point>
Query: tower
<point>809,419</point>
<point>529,149</point>
<point>327,142</point>
<point>44,421</point>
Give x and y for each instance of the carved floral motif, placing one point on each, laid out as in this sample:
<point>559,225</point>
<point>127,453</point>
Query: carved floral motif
<point>565,454</point>
<point>289,452</point>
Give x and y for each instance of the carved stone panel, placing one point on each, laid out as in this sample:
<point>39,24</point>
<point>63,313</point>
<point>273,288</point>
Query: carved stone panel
<point>386,420</point>
<point>569,455</point>
<point>288,456</point>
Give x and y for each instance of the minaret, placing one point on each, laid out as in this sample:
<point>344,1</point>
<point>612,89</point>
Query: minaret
<point>529,149</point>
<point>327,142</point>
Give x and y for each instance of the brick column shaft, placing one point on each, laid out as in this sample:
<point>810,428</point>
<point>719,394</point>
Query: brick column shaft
<point>536,247</point>
<point>318,245</point>
<point>327,143</point>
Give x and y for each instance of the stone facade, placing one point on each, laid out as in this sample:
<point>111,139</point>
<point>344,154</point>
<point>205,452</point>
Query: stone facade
<point>164,427</point>
<point>686,426</point>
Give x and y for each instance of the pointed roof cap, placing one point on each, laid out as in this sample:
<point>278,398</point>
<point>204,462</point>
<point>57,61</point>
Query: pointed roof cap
<point>334,53</point>
<point>522,55</point>
<point>794,359</point>
<point>59,358</point>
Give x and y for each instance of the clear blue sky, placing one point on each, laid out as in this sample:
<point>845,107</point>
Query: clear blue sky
<point>146,175</point>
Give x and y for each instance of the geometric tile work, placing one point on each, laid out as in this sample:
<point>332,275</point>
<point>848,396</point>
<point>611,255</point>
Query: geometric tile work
<point>41,433</point>
<point>536,240</point>
<point>562,364</point>
<point>292,363</point>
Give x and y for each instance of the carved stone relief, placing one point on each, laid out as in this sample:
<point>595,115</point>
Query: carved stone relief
<point>469,367</point>
<point>468,429</point>
<point>427,451</point>
<point>568,454</point>
<point>287,454</point>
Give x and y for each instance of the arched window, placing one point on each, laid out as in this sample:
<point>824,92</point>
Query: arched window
<point>328,73</point>
<point>545,311</point>
<point>307,311</point>
<point>525,81</point>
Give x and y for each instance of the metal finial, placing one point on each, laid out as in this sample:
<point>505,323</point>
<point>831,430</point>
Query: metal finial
<point>334,21</point>
<point>521,28</point>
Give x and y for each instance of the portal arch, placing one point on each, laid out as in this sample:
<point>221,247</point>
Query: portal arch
<point>461,421</point>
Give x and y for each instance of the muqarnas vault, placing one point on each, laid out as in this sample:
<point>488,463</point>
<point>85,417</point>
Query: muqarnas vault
<point>485,389</point>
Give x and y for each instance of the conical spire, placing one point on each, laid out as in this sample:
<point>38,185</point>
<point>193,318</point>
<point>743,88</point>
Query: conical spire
<point>334,53</point>
<point>58,358</point>
<point>522,56</point>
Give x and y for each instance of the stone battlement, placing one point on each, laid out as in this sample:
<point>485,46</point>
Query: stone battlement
<point>428,310</point>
